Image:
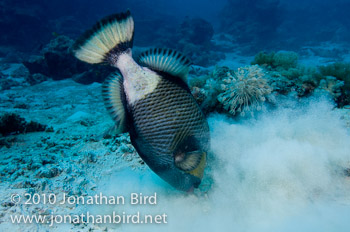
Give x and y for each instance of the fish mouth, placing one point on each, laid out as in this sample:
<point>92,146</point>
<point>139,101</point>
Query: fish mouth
<point>190,190</point>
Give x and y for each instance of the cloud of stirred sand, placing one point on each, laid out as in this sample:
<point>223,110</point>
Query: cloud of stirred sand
<point>281,172</point>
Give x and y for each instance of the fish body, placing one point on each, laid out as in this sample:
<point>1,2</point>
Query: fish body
<point>151,100</point>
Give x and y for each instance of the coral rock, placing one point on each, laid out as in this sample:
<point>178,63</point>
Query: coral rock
<point>14,124</point>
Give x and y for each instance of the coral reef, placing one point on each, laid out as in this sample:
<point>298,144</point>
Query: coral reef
<point>11,123</point>
<point>12,75</point>
<point>37,78</point>
<point>286,75</point>
<point>341,71</point>
<point>57,62</point>
<point>244,91</point>
<point>206,88</point>
<point>281,60</point>
<point>272,75</point>
<point>263,58</point>
<point>285,60</point>
<point>58,58</point>
<point>300,80</point>
<point>206,96</point>
<point>330,86</point>
<point>235,92</point>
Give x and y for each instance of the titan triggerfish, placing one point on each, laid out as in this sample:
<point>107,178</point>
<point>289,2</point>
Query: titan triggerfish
<point>150,99</point>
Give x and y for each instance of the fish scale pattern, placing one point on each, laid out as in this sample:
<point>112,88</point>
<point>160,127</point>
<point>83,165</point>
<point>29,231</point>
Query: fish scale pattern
<point>164,119</point>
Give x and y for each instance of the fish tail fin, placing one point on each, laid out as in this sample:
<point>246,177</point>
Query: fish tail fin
<point>106,40</point>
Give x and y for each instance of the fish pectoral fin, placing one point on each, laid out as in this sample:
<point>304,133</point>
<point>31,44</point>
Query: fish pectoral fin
<point>114,97</point>
<point>188,161</point>
<point>166,60</point>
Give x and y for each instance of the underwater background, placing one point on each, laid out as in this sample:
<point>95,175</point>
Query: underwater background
<point>272,77</point>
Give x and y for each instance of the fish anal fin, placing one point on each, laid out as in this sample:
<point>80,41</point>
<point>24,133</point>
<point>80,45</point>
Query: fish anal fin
<point>112,92</point>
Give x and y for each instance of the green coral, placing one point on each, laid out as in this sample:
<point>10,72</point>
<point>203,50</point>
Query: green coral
<point>263,58</point>
<point>299,71</point>
<point>339,70</point>
<point>284,60</point>
<point>286,75</point>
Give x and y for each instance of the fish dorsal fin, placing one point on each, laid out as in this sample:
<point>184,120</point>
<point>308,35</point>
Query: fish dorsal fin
<point>166,60</point>
<point>113,92</point>
<point>188,161</point>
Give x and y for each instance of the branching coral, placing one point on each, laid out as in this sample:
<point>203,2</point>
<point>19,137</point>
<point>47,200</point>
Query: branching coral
<point>280,60</point>
<point>205,89</point>
<point>285,60</point>
<point>244,91</point>
<point>207,95</point>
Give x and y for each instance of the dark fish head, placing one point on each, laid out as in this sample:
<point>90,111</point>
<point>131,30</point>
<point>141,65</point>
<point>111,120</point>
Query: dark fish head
<point>181,180</point>
<point>185,169</point>
<point>193,178</point>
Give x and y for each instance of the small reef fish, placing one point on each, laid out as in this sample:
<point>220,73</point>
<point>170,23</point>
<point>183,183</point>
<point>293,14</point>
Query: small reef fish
<point>151,100</point>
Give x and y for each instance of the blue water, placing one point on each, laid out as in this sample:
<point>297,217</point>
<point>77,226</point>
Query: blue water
<point>271,23</point>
